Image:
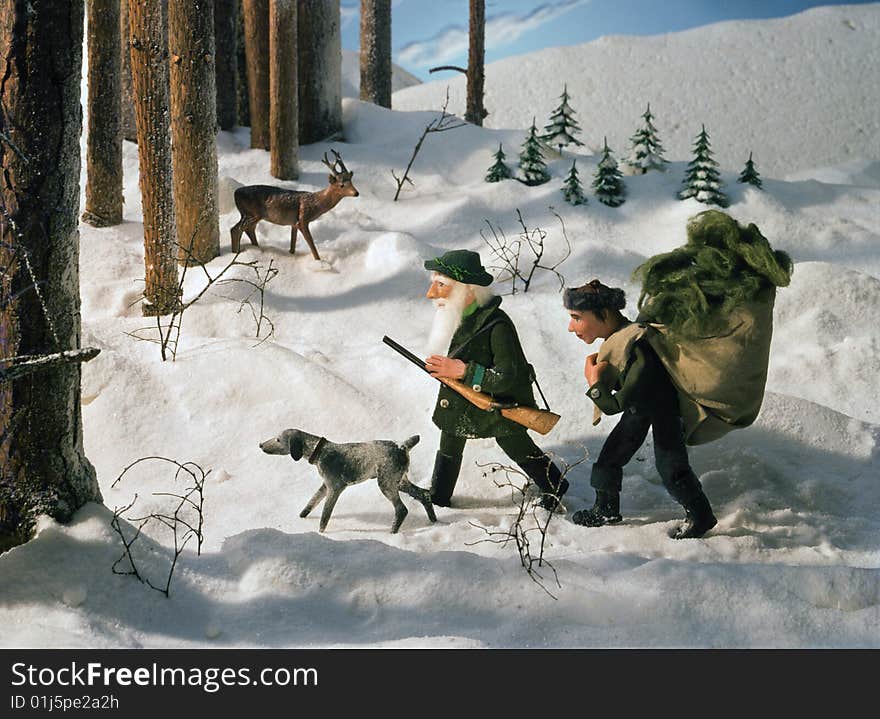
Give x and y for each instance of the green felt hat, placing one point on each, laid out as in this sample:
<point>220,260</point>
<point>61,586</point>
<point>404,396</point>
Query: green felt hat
<point>461,265</point>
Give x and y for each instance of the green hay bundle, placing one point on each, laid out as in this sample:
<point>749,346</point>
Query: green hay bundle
<point>693,289</point>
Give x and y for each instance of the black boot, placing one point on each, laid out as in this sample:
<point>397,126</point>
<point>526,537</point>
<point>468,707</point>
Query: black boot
<point>443,479</point>
<point>547,478</point>
<point>605,510</point>
<point>686,489</point>
<point>698,519</point>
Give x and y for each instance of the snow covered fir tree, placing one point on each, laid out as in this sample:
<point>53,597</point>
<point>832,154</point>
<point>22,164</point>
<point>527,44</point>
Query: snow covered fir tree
<point>750,174</point>
<point>608,181</point>
<point>702,180</point>
<point>531,159</point>
<point>499,171</point>
<point>647,152</point>
<point>572,190</point>
<point>563,127</point>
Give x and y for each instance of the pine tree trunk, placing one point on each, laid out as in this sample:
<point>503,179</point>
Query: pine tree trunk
<point>475,111</point>
<point>256,38</point>
<point>193,133</point>
<point>320,70</point>
<point>283,100</point>
<point>43,468</point>
<point>129,124</point>
<point>226,61</point>
<point>149,74</point>
<point>104,147</point>
<point>376,52</point>
<point>241,70</point>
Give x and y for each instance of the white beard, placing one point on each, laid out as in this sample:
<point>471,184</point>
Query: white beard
<point>447,319</point>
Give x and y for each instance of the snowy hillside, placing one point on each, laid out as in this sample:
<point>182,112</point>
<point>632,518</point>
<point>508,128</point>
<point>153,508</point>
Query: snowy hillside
<point>795,558</point>
<point>351,75</point>
<point>800,92</point>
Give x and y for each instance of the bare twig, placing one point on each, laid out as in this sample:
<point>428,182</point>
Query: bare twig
<point>509,252</point>
<point>167,334</point>
<point>440,124</point>
<point>185,521</point>
<point>527,521</point>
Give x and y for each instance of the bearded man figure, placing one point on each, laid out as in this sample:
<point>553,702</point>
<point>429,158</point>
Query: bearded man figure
<point>474,341</point>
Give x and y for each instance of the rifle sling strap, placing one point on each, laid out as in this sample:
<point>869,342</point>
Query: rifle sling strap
<point>454,354</point>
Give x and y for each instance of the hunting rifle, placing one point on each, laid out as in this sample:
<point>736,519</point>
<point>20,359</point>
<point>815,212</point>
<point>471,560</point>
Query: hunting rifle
<point>540,420</point>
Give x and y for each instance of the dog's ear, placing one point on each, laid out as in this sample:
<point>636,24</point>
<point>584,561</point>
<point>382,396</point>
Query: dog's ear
<point>296,446</point>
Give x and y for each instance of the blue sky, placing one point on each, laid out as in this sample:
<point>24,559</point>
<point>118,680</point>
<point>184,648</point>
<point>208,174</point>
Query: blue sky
<point>427,33</point>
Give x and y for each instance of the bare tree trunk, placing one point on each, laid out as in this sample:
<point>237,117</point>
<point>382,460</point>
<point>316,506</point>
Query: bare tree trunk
<point>43,469</point>
<point>129,124</point>
<point>256,38</point>
<point>376,52</point>
<point>104,146</point>
<point>193,123</point>
<point>283,101</point>
<point>320,70</point>
<point>226,61</point>
<point>149,74</point>
<point>243,98</point>
<point>475,111</point>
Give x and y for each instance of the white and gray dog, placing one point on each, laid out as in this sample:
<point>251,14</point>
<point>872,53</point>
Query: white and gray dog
<point>341,465</point>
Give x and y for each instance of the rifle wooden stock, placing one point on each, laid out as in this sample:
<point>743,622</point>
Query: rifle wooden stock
<point>539,420</point>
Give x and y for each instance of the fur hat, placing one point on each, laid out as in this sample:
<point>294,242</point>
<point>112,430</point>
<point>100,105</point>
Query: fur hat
<point>594,296</point>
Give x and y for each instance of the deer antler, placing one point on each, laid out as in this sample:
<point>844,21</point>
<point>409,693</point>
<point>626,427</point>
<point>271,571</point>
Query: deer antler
<point>342,167</point>
<point>327,162</point>
<point>337,161</point>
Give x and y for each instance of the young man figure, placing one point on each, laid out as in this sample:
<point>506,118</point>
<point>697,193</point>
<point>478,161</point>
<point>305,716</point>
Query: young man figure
<point>474,341</point>
<point>631,379</point>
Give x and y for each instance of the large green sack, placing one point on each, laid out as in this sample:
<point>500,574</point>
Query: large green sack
<point>707,308</point>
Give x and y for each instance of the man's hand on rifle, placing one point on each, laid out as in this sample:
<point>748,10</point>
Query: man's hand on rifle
<point>445,367</point>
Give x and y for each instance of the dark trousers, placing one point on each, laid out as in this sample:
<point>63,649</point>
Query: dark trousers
<point>519,446</point>
<point>670,453</point>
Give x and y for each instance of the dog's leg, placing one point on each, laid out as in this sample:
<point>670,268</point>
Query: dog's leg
<point>329,503</point>
<point>423,495</point>
<point>389,487</point>
<point>313,502</point>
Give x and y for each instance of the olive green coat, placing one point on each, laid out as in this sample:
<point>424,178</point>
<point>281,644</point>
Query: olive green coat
<point>496,366</point>
<point>720,378</point>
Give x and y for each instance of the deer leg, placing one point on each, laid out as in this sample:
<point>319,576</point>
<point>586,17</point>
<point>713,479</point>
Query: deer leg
<point>235,232</point>
<point>293,230</point>
<point>308,236</point>
<point>250,230</point>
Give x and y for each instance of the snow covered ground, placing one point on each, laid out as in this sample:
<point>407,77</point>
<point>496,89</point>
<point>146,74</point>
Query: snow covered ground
<point>795,558</point>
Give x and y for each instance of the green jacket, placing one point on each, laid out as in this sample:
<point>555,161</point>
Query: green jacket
<point>496,366</point>
<point>635,378</point>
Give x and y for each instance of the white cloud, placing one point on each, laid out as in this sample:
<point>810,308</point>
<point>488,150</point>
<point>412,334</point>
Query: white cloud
<point>452,41</point>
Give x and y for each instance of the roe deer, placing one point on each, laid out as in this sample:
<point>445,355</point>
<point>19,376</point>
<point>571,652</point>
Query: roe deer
<point>290,207</point>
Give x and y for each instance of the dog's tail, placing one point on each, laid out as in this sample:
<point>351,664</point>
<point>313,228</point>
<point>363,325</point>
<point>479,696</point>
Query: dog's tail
<point>408,444</point>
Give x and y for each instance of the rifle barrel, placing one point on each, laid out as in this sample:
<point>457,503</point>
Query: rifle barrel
<point>400,349</point>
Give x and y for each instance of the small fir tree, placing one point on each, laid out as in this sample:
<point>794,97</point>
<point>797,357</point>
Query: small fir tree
<point>531,160</point>
<point>563,127</point>
<point>701,180</point>
<point>572,190</point>
<point>750,174</point>
<point>647,152</point>
<point>499,171</point>
<point>608,182</point>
